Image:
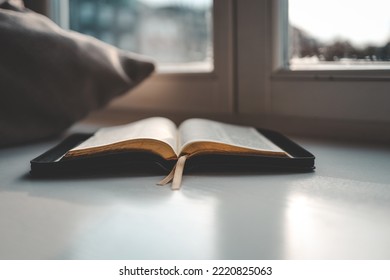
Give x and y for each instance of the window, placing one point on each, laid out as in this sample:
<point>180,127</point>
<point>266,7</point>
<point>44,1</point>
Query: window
<point>270,90</point>
<point>255,80</point>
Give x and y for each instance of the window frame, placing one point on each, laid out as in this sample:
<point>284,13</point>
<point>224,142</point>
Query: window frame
<point>185,92</point>
<point>358,95</point>
<point>250,84</point>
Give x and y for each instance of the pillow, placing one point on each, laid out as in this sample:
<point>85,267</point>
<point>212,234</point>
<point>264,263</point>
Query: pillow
<point>50,77</point>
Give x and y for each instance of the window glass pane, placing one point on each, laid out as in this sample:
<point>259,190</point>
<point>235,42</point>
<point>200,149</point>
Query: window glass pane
<point>176,33</point>
<point>339,34</point>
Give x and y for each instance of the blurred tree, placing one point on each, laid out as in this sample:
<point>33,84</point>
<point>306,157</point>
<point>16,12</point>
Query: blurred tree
<point>303,45</point>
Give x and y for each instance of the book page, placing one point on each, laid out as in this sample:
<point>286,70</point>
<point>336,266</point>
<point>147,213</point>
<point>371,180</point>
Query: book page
<point>156,128</point>
<point>200,130</point>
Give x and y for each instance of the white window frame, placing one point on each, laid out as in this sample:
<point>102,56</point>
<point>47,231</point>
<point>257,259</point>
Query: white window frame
<point>266,88</point>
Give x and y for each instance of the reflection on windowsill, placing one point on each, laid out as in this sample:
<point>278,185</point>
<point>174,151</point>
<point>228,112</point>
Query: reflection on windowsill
<point>329,225</point>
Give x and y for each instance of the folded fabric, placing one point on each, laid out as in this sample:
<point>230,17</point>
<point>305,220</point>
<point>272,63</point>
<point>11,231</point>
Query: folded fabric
<point>51,78</point>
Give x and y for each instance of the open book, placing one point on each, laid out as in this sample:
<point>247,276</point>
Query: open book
<point>193,138</point>
<point>156,145</point>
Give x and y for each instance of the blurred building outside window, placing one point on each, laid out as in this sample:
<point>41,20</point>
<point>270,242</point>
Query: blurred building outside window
<point>177,34</point>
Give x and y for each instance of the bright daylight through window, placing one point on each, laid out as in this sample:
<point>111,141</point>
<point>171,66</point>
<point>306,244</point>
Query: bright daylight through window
<point>334,34</point>
<point>175,33</point>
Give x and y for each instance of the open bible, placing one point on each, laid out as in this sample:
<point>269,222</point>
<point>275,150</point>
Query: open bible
<point>193,142</point>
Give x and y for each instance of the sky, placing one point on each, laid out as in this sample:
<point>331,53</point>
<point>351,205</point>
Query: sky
<point>362,22</point>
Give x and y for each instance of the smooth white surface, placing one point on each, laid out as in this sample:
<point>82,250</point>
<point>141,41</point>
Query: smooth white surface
<point>342,210</point>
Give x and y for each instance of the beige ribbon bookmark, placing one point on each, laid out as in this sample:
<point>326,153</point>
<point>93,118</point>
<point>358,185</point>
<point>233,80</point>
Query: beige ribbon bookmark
<point>176,175</point>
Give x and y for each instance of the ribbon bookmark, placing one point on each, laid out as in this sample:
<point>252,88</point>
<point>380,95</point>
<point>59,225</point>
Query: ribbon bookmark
<point>176,174</point>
